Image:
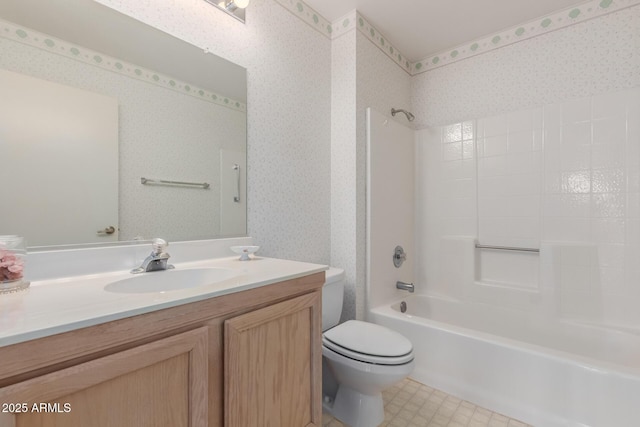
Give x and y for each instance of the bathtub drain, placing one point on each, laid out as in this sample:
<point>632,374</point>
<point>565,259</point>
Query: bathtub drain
<point>403,307</point>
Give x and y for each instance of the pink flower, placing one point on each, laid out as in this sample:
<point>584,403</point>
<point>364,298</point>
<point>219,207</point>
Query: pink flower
<point>11,266</point>
<point>15,268</point>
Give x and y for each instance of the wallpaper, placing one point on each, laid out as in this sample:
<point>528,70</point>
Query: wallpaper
<point>592,57</point>
<point>523,31</point>
<point>343,165</point>
<point>288,111</point>
<point>64,48</point>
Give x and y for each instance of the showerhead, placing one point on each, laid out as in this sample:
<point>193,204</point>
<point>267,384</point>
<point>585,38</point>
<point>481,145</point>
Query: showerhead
<point>409,116</point>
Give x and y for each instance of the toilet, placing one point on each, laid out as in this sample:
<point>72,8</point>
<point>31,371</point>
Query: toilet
<point>359,360</point>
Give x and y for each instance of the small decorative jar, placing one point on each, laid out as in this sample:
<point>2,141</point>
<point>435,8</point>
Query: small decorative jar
<point>13,253</point>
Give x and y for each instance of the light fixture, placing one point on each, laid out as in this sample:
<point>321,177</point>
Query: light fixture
<point>234,4</point>
<point>234,8</point>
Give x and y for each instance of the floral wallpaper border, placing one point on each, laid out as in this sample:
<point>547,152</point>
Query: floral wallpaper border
<point>383,44</point>
<point>564,18</point>
<point>343,25</point>
<point>309,15</point>
<point>546,24</point>
<point>11,31</point>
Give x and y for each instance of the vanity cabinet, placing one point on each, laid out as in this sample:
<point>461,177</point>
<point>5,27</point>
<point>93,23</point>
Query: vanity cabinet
<point>274,349</point>
<point>250,358</point>
<point>155,384</point>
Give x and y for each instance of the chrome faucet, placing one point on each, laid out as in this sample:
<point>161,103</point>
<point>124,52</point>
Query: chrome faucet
<point>157,260</point>
<point>405,286</point>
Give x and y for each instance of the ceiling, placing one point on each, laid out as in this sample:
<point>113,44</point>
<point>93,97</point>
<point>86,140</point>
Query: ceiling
<point>421,28</point>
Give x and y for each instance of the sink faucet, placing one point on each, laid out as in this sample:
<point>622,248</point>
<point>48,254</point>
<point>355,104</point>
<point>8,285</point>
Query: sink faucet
<point>405,286</point>
<point>157,260</point>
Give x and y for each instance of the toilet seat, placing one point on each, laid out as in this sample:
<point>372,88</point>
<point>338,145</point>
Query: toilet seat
<point>368,343</point>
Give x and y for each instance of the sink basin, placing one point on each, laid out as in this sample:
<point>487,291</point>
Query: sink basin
<point>170,280</point>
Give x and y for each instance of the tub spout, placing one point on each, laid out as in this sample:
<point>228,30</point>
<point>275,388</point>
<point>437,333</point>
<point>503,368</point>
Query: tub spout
<point>405,286</point>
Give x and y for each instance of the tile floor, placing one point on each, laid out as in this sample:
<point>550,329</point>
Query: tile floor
<point>411,404</point>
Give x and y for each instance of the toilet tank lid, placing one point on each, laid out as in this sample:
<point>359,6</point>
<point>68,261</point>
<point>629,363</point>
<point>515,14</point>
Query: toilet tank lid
<point>333,275</point>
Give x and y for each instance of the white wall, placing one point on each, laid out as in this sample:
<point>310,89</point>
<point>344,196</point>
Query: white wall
<point>289,100</point>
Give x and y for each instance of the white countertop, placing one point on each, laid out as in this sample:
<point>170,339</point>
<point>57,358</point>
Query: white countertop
<point>54,306</point>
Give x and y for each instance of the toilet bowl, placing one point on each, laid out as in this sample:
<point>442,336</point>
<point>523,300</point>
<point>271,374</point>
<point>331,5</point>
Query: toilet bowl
<point>360,360</point>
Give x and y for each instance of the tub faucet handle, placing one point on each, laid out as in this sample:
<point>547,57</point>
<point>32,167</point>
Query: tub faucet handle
<point>399,256</point>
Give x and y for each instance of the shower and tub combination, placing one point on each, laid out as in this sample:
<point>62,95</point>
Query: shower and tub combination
<point>514,308</point>
<point>547,373</point>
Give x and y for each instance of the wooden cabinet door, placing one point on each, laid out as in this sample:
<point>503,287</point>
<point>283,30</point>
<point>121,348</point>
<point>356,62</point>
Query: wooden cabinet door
<point>273,365</point>
<point>160,384</point>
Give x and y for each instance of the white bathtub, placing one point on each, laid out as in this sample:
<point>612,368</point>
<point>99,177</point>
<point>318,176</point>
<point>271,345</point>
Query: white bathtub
<point>545,372</point>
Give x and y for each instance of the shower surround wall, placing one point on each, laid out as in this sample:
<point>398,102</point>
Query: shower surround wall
<point>564,178</point>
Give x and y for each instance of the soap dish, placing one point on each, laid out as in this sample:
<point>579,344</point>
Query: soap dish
<point>245,251</point>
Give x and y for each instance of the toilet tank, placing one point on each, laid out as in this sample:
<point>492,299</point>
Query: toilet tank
<point>332,295</point>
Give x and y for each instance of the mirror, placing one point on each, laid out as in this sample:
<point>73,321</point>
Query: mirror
<point>114,130</point>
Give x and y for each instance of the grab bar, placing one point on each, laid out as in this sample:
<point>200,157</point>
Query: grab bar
<point>506,248</point>
<point>146,181</point>
<point>236,198</point>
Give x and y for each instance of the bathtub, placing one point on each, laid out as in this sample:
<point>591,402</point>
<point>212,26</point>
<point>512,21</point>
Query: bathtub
<point>545,372</point>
